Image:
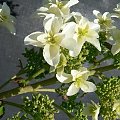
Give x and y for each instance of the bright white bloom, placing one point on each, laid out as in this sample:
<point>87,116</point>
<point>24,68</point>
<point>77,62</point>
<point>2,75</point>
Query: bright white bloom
<point>62,64</point>
<point>116,107</point>
<point>60,67</point>
<point>92,110</point>
<point>117,10</point>
<point>116,36</point>
<point>79,79</point>
<point>80,33</point>
<point>6,19</point>
<point>57,7</point>
<point>50,40</point>
<point>104,20</point>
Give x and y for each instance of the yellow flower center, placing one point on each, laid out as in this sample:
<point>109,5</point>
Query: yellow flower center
<point>50,39</point>
<point>78,81</point>
<point>59,4</point>
<point>82,31</point>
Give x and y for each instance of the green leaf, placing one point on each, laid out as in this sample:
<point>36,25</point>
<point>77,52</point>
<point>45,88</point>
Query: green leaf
<point>2,111</point>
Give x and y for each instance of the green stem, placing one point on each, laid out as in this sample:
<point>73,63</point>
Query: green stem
<point>13,104</point>
<point>16,105</point>
<point>65,111</point>
<point>20,73</point>
<point>103,59</point>
<point>4,84</point>
<point>105,68</point>
<point>30,88</point>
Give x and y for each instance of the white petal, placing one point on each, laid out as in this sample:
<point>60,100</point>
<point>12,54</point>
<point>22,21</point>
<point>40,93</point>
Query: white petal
<point>97,14</point>
<point>69,29</point>
<point>54,10</point>
<point>52,23</point>
<point>47,23</point>
<point>5,9</point>
<point>72,2</point>
<point>64,78</point>
<point>77,48</point>
<point>94,41</point>
<point>42,9</point>
<point>77,16</point>
<point>116,34</point>
<point>72,90</point>
<point>88,86</point>
<point>94,26</point>
<point>68,43</point>
<point>32,39</point>
<point>115,48</point>
<point>65,10</point>
<point>59,37</point>
<point>74,73</point>
<point>42,38</point>
<point>106,15</point>
<point>51,54</point>
<point>9,26</point>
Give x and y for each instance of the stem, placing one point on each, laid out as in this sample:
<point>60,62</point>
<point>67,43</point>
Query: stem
<point>45,90</point>
<point>4,84</point>
<point>105,68</point>
<point>16,105</point>
<point>65,111</point>
<point>20,73</point>
<point>13,104</point>
<point>30,88</point>
<point>103,59</point>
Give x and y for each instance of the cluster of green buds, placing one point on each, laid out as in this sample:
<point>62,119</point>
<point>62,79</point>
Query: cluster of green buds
<point>40,107</point>
<point>109,92</point>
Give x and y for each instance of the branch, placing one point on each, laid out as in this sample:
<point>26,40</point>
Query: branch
<point>20,73</point>
<point>65,111</point>
<point>105,68</point>
<point>27,89</point>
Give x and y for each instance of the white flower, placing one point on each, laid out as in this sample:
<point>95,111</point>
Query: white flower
<point>57,7</point>
<point>116,36</point>
<point>117,10</point>
<point>79,79</point>
<point>92,110</point>
<point>6,19</point>
<point>60,66</point>
<point>50,40</point>
<point>104,20</point>
<point>80,33</point>
<point>116,107</point>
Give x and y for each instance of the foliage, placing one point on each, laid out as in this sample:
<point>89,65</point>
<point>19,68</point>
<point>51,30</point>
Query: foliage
<point>40,107</point>
<point>108,92</point>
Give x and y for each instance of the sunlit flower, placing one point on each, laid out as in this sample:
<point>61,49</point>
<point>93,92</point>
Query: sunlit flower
<point>116,107</point>
<point>79,81</point>
<point>80,33</point>
<point>6,19</point>
<point>92,110</point>
<point>60,66</point>
<point>117,10</point>
<point>50,40</point>
<point>57,7</point>
<point>116,36</point>
<point>104,20</point>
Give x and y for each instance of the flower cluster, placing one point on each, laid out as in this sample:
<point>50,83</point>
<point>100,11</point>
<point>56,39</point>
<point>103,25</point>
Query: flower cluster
<point>62,33</point>
<point>67,43</point>
<point>66,30</point>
